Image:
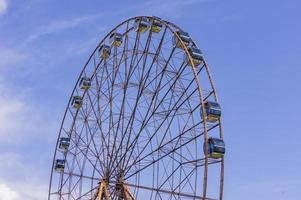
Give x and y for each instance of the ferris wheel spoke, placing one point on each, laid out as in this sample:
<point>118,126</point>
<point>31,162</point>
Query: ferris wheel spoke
<point>81,151</point>
<point>86,193</point>
<point>156,160</point>
<point>122,116</point>
<point>145,56</point>
<point>163,120</point>
<point>176,187</point>
<point>96,114</point>
<point>87,145</point>
<point>180,166</point>
<point>109,104</point>
<point>76,139</point>
<point>72,185</point>
<point>140,91</point>
<point>185,181</point>
<point>138,96</point>
<point>155,131</point>
<point>134,54</point>
<point>121,113</point>
<point>153,98</point>
<point>153,61</point>
<point>101,130</point>
<point>162,146</point>
<point>184,195</point>
<point>97,154</point>
<point>111,120</point>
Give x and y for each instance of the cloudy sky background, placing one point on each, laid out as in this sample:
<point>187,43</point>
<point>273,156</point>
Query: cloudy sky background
<point>253,48</point>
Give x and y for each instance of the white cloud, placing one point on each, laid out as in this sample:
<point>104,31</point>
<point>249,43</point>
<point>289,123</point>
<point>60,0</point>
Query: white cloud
<point>20,119</point>
<point>23,190</point>
<point>60,25</point>
<point>8,193</point>
<point>10,57</point>
<point>3,6</point>
<point>11,120</point>
<point>12,113</point>
<point>21,179</point>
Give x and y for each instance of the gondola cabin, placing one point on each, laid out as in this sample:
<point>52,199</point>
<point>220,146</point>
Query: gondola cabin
<point>141,24</point>
<point>156,26</point>
<point>59,165</point>
<point>213,111</point>
<point>64,143</point>
<point>184,37</point>
<point>77,102</point>
<point>104,51</point>
<point>85,83</point>
<point>216,148</point>
<point>196,55</point>
<point>116,39</point>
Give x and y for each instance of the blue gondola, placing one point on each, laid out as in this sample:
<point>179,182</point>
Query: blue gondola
<point>196,55</point>
<point>184,37</point>
<point>213,111</point>
<point>216,148</point>
<point>77,102</point>
<point>59,165</point>
<point>141,24</point>
<point>116,39</point>
<point>85,83</point>
<point>64,143</point>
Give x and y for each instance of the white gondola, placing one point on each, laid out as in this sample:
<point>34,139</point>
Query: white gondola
<point>77,102</point>
<point>141,24</point>
<point>184,37</point>
<point>196,55</point>
<point>85,83</point>
<point>59,165</point>
<point>64,143</point>
<point>116,39</point>
<point>104,51</point>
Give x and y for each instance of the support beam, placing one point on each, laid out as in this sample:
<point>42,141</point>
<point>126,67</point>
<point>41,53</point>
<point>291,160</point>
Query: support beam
<point>123,191</point>
<point>102,191</point>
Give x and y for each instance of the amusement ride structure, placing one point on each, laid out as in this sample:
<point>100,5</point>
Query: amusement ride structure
<point>143,120</point>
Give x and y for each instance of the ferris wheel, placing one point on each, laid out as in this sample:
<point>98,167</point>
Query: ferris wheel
<point>143,120</point>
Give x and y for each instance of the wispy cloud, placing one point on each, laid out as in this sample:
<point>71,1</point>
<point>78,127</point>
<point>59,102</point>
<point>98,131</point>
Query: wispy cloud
<point>26,183</point>
<point>8,193</point>
<point>10,57</point>
<point>60,25</point>
<point>21,119</point>
<point>13,114</point>
<point>3,6</point>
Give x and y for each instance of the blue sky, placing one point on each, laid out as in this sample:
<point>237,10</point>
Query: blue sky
<point>252,47</point>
